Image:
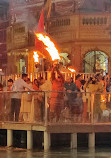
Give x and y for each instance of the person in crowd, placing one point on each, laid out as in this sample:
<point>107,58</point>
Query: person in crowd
<point>95,87</point>
<point>97,99</point>
<point>38,100</point>
<point>7,100</point>
<point>26,103</point>
<point>89,87</point>
<point>35,85</point>
<point>103,80</point>
<point>107,77</point>
<point>85,101</point>
<point>9,86</point>
<point>18,86</point>
<point>29,82</point>
<point>107,83</point>
<point>70,88</point>
<point>41,81</point>
<point>110,85</point>
<point>72,80</point>
<point>56,101</point>
<point>78,82</point>
<point>46,86</point>
<point>70,95</point>
<point>77,108</point>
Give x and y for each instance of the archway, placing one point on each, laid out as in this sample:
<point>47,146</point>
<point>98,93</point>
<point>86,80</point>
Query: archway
<point>95,61</point>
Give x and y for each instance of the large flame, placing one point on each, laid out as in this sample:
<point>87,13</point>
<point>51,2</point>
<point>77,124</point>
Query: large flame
<point>50,46</point>
<point>36,57</point>
<point>71,69</point>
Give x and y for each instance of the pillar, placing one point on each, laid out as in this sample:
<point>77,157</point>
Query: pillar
<point>46,109</point>
<point>29,140</point>
<point>46,140</point>
<point>48,75</point>
<point>9,137</point>
<point>73,140</point>
<point>91,140</point>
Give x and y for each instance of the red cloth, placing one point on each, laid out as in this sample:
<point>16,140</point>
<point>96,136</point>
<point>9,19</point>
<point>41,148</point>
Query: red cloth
<point>78,84</point>
<point>57,85</point>
<point>56,97</point>
<point>35,87</point>
<point>40,29</point>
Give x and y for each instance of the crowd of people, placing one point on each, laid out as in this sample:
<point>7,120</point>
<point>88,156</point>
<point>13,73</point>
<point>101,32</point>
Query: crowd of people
<point>66,100</point>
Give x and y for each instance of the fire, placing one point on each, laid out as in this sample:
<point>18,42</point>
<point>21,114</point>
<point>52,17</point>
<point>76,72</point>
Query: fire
<point>103,98</point>
<point>50,46</point>
<point>71,69</point>
<point>36,57</point>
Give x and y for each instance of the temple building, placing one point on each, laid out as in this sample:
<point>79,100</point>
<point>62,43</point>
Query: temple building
<point>81,30</point>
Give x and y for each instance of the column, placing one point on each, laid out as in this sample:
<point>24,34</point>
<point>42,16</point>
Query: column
<point>46,140</point>
<point>73,140</point>
<point>9,137</point>
<point>46,109</point>
<point>29,140</point>
<point>91,141</point>
<point>48,75</point>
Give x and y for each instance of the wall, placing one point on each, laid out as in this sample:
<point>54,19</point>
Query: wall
<point>85,32</point>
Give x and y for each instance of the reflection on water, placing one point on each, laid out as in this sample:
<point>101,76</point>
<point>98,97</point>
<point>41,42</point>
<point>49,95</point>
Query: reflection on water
<point>65,153</point>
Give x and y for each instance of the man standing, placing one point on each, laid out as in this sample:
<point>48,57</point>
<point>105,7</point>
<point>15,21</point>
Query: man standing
<point>78,82</point>
<point>70,88</point>
<point>56,101</point>
<point>7,99</point>
<point>18,86</point>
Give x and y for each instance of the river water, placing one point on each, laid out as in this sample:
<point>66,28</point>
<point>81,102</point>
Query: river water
<point>58,153</point>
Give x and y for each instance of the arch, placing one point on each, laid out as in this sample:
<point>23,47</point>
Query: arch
<point>95,61</point>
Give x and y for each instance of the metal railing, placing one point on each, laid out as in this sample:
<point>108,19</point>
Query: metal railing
<point>45,74</point>
<point>55,107</point>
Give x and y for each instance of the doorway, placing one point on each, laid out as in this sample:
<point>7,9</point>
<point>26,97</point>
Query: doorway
<point>95,61</point>
<point>22,66</point>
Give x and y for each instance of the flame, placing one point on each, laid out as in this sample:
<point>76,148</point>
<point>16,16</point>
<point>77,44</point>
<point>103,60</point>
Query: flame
<point>36,57</point>
<point>50,46</point>
<point>103,98</point>
<point>71,69</point>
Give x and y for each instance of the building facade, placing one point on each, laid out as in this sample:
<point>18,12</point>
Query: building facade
<point>86,38</point>
<point>24,16</point>
<point>4,23</point>
<point>83,32</point>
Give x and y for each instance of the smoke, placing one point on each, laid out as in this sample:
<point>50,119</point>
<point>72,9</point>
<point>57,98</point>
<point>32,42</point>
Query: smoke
<point>32,20</point>
<point>28,14</point>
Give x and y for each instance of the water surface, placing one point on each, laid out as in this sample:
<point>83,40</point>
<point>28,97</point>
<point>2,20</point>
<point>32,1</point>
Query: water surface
<point>58,153</point>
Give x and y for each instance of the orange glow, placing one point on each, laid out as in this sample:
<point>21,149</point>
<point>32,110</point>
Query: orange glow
<point>36,57</point>
<point>50,46</point>
<point>103,98</point>
<point>71,69</point>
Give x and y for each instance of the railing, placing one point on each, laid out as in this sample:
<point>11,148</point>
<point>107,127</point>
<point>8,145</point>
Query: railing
<point>45,74</point>
<point>55,107</point>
